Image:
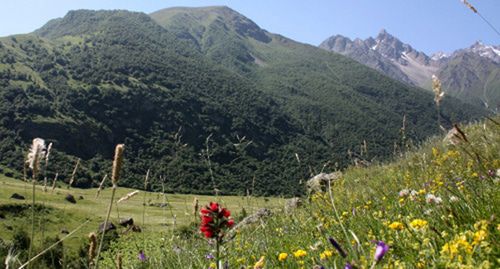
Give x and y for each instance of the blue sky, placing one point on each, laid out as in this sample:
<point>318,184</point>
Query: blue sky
<point>428,25</point>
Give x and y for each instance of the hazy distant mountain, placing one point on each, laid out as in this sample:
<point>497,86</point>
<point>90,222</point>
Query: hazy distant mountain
<point>163,83</point>
<point>473,80</point>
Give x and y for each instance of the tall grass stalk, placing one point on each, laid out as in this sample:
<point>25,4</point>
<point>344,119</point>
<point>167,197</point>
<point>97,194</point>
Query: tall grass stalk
<point>36,153</point>
<point>146,179</point>
<point>74,173</point>
<point>330,194</point>
<point>117,165</point>
<point>53,245</point>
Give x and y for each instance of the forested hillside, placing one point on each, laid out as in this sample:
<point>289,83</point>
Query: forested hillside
<point>215,103</point>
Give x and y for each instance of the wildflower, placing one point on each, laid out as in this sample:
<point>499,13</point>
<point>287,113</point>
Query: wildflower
<point>300,253</point>
<point>418,223</point>
<point>142,257</point>
<point>453,199</point>
<point>209,256</point>
<point>212,265</point>
<point>396,225</point>
<point>404,192</point>
<point>380,251</point>
<point>453,248</point>
<point>325,254</point>
<point>428,212</point>
<point>337,246</point>
<point>260,263</point>
<point>479,236</point>
<point>282,256</point>
<point>214,220</point>
<point>413,195</point>
<point>348,266</point>
<point>481,225</point>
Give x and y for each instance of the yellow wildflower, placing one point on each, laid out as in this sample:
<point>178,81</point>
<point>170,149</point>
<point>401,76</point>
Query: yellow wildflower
<point>213,265</point>
<point>282,256</point>
<point>260,263</point>
<point>452,248</point>
<point>479,236</point>
<point>418,223</point>
<point>481,225</point>
<point>325,254</point>
<point>396,226</point>
<point>300,253</point>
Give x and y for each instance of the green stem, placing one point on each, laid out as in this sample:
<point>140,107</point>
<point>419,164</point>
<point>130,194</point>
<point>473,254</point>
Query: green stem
<point>32,219</point>
<point>339,220</point>
<point>105,226</point>
<point>53,245</point>
<point>217,253</point>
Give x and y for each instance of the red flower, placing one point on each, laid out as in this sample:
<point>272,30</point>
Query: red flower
<point>204,211</point>
<point>214,206</point>
<point>206,219</point>
<point>208,234</point>
<point>214,220</point>
<point>226,213</point>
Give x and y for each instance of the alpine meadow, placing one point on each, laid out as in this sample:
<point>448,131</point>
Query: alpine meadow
<point>190,137</point>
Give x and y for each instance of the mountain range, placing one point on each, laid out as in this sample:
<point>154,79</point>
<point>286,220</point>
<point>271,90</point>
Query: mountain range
<point>204,98</point>
<point>471,74</point>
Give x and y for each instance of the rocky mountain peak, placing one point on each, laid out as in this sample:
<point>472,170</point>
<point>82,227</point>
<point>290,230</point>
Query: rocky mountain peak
<point>488,51</point>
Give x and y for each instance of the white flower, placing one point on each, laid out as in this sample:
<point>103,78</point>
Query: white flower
<point>428,211</point>
<point>404,192</point>
<point>432,199</point>
<point>413,194</point>
<point>454,199</point>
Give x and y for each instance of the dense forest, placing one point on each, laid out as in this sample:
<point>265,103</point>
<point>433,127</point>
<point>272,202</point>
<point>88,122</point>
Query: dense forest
<point>209,102</point>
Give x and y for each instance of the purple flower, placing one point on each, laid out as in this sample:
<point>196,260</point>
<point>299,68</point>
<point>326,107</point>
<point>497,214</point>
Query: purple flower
<point>337,246</point>
<point>380,251</point>
<point>348,266</point>
<point>209,256</point>
<point>142,257</point>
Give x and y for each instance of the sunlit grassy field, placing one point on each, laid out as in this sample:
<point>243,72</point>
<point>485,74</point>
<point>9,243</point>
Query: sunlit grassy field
<point>62,215</point>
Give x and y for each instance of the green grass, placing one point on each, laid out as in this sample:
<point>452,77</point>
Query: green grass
<point>60,214</point>
<point>365,206</point>
<point>456,234</point>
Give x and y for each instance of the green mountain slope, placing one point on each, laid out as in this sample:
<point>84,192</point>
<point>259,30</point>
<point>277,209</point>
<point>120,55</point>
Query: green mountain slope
<point>332,96</point>
<point>206,99</point>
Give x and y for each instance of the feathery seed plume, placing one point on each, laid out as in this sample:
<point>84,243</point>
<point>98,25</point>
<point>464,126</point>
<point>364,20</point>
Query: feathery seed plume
<point>117,163</point>
<point>101,185</point>
<point>127,196</point>
<point>74,173</point>
<point>470,6</point>
<point>49,147</point>
<point>118,261</point>
<point>54,183</point>
<point>36,153</point>
<point>436,87</point>
<point>92,247</point>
